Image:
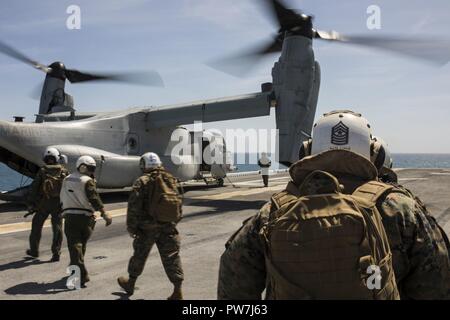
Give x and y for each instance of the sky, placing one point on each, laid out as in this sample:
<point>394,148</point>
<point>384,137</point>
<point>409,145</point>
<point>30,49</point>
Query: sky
<point>406,101</point>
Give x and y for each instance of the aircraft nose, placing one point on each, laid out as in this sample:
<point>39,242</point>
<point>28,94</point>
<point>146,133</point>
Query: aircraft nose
<point>4,128</point>
<point>9,135</point>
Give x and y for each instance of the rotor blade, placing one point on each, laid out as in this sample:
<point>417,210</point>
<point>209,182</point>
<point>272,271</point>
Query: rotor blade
<point>241,63</point>
<point>286,17</point>
<point>150,78</point>
<point>13,53</point>
<point>431,49</point>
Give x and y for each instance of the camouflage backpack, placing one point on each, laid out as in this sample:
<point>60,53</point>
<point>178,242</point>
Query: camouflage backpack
<point>165,203</point>
<point>323,244</point>
<point>52,183</point>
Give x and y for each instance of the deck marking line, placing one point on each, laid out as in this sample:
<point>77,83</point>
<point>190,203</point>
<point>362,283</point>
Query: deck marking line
<point>26,225</point>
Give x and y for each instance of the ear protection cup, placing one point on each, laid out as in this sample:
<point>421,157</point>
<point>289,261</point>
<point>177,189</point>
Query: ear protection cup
<point>305,149</point>
<point>377,154</point>
<point>379,161</point>
<point>63,159</point>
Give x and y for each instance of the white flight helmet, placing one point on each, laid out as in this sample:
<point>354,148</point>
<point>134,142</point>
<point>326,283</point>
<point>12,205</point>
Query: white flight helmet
<point>341,130</point>
<point>86,163</point>
<point>51,152</point>
<point>149,160</point>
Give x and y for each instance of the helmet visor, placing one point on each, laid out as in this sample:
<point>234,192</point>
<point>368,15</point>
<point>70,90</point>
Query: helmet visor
<point>91,168</point>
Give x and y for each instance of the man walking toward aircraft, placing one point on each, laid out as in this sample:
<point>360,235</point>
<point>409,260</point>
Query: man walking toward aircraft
<point>43,200</point>
<point>80,200</point>
<point>154,209</point>
<point>265,163</point>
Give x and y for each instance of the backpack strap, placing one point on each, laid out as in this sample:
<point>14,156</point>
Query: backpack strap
<point>371,191</point>
<point>278,207</point>
<point>152,177</point>
<point>367,196</point>
<point>171,180</point>
<point>284,197</point>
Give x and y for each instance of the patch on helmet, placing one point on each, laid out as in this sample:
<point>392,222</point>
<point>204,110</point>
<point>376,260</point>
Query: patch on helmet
<point>339,134</point>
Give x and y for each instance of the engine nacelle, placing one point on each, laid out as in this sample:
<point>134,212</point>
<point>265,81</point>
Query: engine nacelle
<point>296,83</point>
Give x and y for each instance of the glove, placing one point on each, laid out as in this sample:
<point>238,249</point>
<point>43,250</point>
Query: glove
<point>132,232</point>
<point>107,218</point>
<point>29,213</point>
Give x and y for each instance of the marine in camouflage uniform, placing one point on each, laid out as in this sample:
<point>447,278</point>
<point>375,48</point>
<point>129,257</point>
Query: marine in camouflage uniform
<point>44,206</point>
<point>420,256</point>
<point>147,232</point>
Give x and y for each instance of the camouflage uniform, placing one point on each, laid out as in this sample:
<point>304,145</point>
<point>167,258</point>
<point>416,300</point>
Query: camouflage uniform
<point>79,228</point>
<point>390,177</point>
<point>147,232</point>
<point>43,206</point>
<point>420,256</point>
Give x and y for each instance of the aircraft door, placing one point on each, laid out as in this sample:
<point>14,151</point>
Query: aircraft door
<point>206,164</point>
<point>214,157</point>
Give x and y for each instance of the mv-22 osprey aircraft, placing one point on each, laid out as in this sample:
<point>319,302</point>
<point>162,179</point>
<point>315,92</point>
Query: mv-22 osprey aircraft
<point>117,139</point>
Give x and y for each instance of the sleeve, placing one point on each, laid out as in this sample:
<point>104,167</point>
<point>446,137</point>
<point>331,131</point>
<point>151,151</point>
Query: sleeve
<point>93,196</point>
<point>135,205</point>
<point>242,272</point>
<point>423,249</point>
<point>33,195</point>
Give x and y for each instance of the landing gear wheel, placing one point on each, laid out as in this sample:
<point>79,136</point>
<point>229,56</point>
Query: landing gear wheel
<point>220,182</point>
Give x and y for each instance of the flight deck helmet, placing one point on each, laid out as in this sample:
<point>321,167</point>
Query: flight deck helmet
<point>149,161</point>
<point>51,156</point>
<point>86,165</point>
<point>342,130</point>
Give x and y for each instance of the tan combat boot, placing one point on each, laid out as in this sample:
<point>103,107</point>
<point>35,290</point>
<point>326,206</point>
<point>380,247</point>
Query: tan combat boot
<point>127,284</point>
<point>177,293</point>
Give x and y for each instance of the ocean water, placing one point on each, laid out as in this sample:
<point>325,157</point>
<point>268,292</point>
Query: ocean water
<point>422,160</point>
<point>10,179</point>
<point>401,160</point>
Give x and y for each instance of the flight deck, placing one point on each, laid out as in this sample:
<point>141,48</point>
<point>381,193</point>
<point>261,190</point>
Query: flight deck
<point>211,215</point>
